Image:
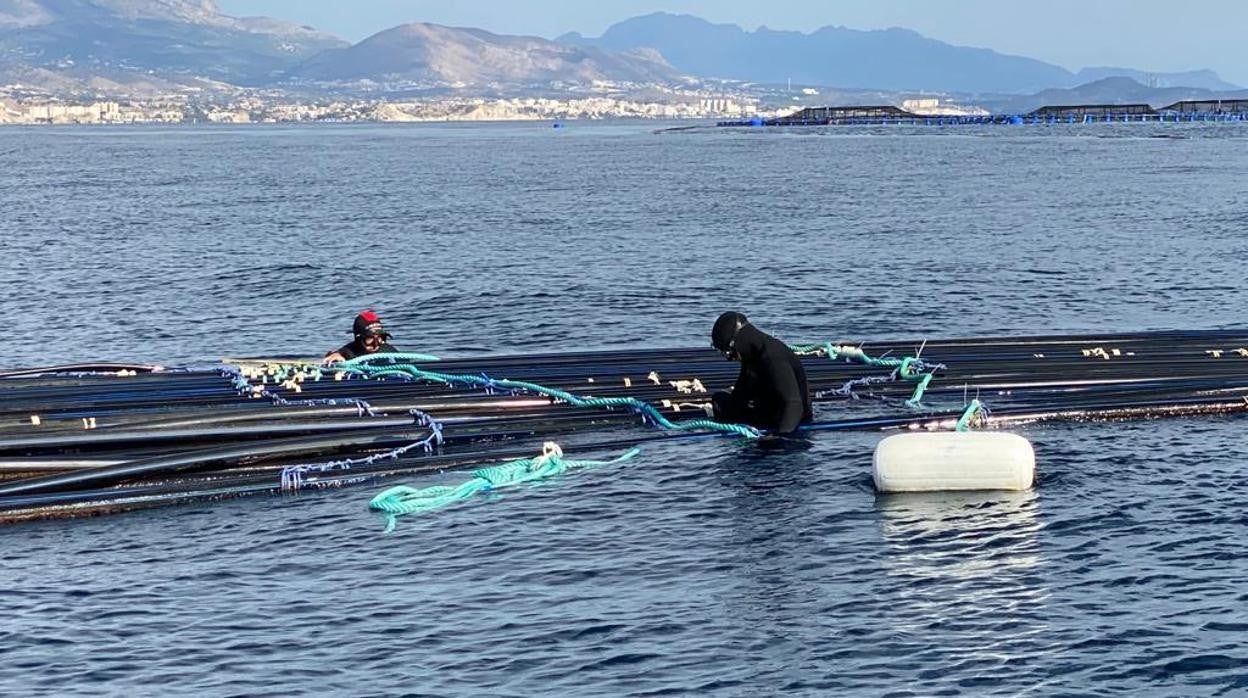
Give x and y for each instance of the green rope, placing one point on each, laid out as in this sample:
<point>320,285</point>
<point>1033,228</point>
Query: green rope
<point>917,397</point>
<point>974,412</point>
<point>363,367</point>
<point>397,357</point>
<point>905,366</point>
<point>402,500</point>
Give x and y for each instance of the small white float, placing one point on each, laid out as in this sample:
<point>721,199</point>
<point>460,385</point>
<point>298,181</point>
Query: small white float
<point>950,460</point>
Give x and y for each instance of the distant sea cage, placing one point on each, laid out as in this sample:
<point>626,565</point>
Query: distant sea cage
<point>1189,110</point>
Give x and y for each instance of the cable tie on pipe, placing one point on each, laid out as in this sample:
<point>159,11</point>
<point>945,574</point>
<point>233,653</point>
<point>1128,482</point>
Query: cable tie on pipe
<point>292,479</point>
<point>435,437</point>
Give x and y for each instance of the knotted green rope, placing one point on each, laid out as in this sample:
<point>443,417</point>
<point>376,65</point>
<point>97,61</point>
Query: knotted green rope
<point>402,500</point>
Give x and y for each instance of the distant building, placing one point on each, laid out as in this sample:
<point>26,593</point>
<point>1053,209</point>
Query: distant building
<point>720,105</point>
<point>919,106</point>
<point>934,107</point>
<point>53,113</point>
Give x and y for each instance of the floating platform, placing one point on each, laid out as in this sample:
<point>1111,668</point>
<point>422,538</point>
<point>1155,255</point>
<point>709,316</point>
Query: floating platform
<point>99,438</point>
<point>1179,112</point>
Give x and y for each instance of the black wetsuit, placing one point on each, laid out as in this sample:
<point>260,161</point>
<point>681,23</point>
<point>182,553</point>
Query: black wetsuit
<point>770,392</point>
<point>356,349</point>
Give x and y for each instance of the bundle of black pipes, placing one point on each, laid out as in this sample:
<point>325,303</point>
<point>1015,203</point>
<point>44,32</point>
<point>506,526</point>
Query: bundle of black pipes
<point>88,439</point>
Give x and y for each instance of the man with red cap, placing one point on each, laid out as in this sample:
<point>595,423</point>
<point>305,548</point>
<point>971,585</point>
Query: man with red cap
<point>370,338</point>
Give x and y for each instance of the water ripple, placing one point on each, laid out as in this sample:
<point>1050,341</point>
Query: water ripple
<point>706,569</point>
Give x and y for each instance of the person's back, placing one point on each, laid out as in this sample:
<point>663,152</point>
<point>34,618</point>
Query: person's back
<point>369,338</point>
<point>771,390</point>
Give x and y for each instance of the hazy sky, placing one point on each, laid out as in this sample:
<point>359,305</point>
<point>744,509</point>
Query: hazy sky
<point>1144,34</point>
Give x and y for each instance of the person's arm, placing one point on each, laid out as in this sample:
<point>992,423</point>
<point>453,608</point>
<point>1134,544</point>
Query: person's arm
<point>784,381</point>
<point>332,357</point>
<point>342,353</point>
<point>741,387</point>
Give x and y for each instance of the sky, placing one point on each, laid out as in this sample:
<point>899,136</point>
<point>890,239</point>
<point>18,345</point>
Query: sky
<point>1147,35</point>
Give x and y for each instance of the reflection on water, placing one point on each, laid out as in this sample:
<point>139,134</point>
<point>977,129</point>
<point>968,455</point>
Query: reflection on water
<point>960,535</point>
<point>969,562</point>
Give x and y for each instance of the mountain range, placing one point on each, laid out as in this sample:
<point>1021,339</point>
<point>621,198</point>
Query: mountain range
<point>85,42</point>
<point>890,59</point>
<point>429,53</point>
<point>128,46</point>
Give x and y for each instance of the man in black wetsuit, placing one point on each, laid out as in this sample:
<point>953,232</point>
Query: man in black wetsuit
<point>770,392</point>
<point>370,338</point>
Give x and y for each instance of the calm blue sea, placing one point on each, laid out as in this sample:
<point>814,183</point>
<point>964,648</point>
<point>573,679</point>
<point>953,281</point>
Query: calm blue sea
<point>703,568</point>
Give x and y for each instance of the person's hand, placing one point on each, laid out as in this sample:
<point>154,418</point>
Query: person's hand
<point>332,358</point>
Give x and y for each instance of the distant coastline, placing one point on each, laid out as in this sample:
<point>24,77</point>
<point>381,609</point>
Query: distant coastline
<point>252,110</point>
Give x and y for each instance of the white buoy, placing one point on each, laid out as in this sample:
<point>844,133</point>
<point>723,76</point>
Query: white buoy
<point>950,460</point>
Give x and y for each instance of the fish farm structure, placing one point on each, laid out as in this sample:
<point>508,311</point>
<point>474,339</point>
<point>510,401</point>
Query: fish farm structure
<point>1188,111</point>
<point>91,439</point>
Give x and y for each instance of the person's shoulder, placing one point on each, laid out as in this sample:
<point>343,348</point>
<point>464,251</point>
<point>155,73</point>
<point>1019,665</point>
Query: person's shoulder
<point>347,351</point>
<point>774,344</point>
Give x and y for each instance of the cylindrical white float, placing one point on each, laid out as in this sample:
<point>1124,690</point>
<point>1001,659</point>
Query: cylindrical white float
<point>950,460</point>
